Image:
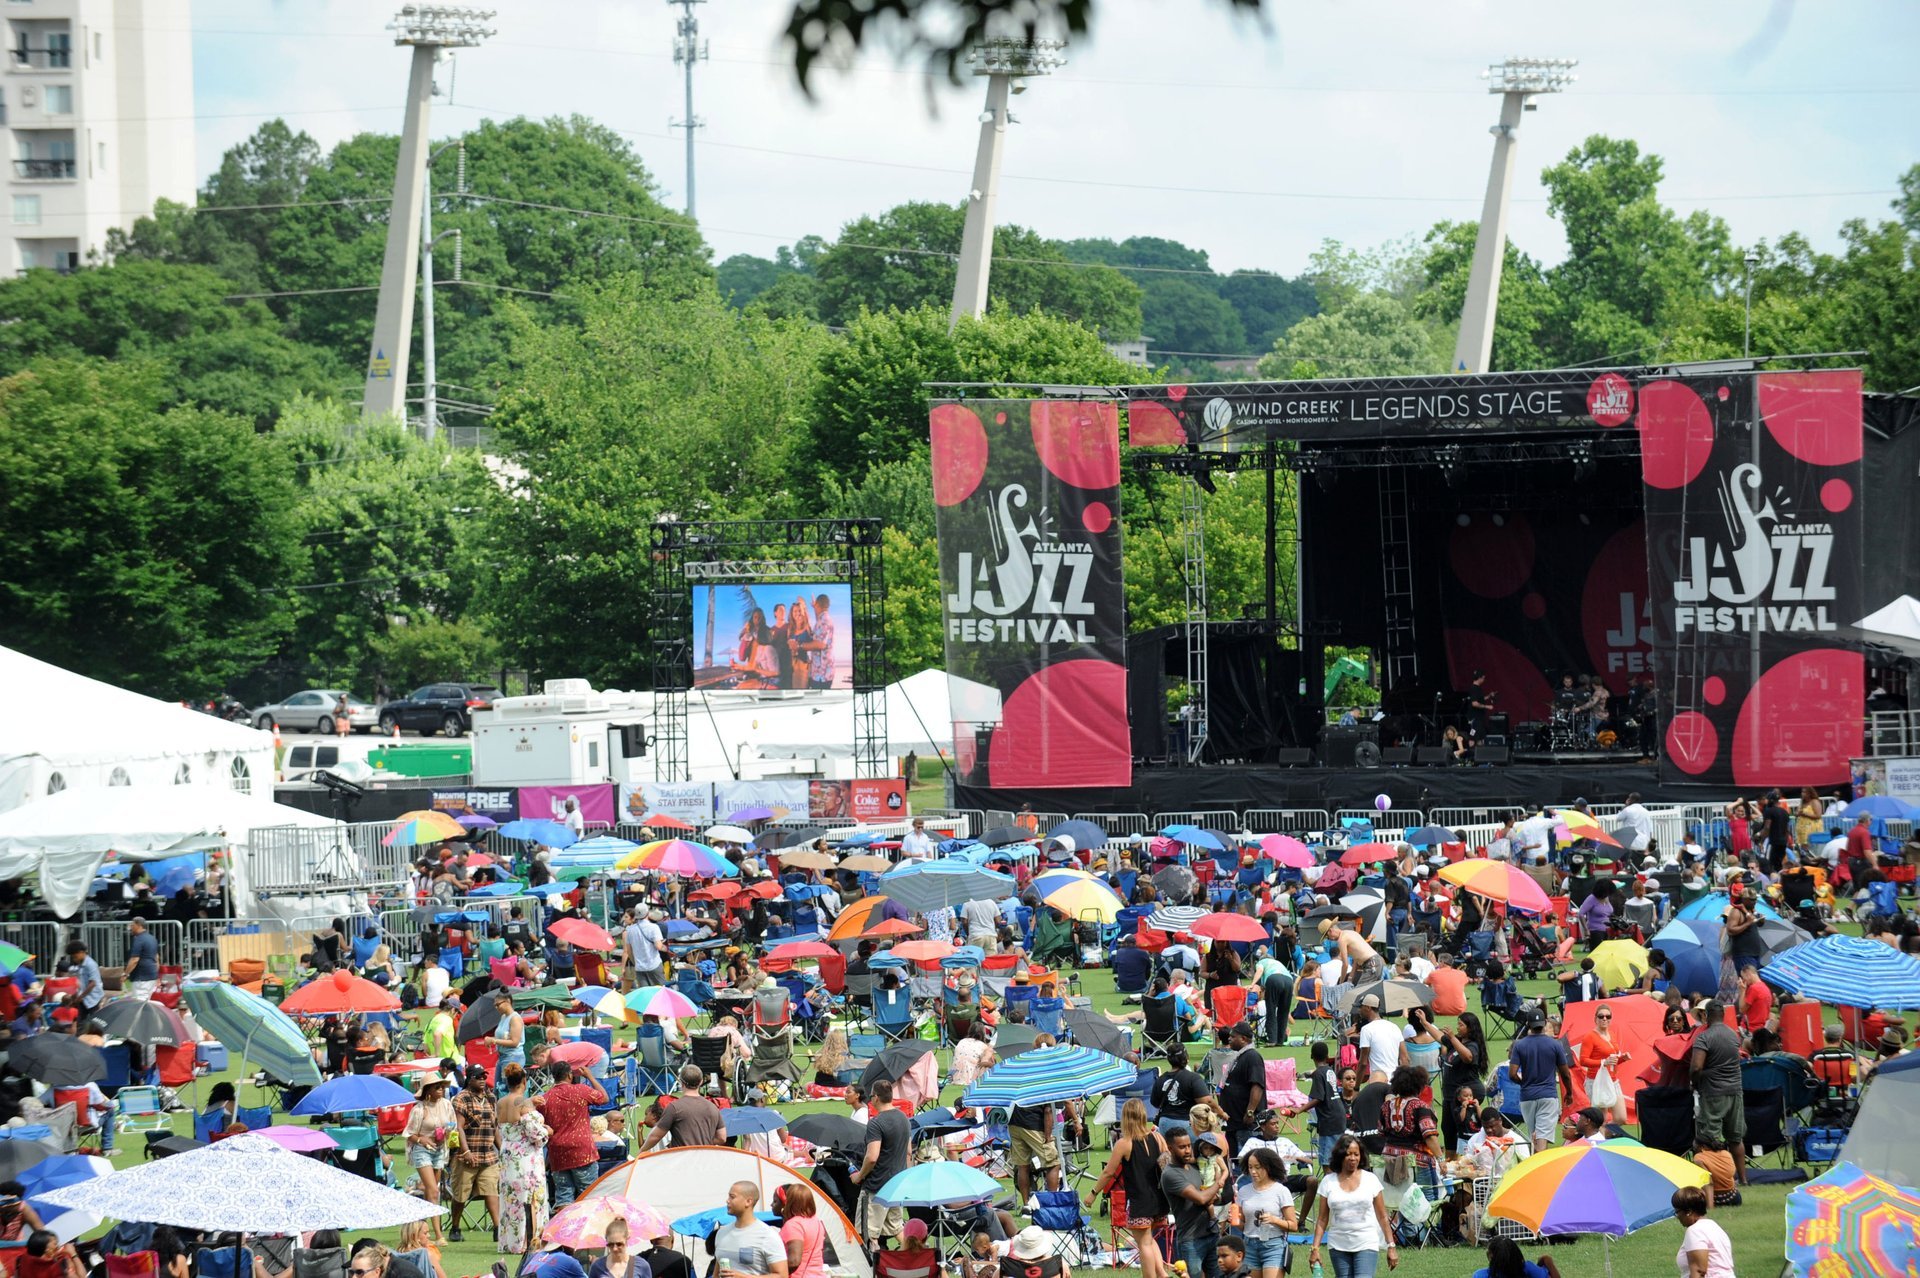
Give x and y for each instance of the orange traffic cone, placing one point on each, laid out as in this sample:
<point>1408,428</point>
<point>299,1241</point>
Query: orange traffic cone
<point>396,729</point>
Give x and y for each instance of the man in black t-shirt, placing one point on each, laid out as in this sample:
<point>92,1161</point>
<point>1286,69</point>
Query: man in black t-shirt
<point>889,1141</point>
<point>1244,1093</point>
<point>665,1261</point>
<point>1177,1091</point>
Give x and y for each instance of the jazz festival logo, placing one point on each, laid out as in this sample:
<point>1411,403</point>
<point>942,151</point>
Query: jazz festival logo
<point>1770,573</point>
<point>1035,590</point>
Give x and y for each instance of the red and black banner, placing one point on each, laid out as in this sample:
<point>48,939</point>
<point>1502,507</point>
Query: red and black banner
<point>1754,548</point>
<point>1028,498</point>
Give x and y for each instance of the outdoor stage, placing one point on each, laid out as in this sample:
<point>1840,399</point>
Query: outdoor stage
<point>1704,527</point>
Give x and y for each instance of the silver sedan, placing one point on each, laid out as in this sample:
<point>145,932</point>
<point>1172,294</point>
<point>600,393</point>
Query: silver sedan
<point>314,711</point>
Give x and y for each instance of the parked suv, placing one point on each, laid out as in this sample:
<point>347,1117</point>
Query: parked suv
<point>438,707</point>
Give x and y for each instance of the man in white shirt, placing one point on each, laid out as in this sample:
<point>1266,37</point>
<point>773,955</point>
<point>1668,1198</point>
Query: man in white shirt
<point>571,817</point>
<point>918,845</point>
<point>1385,1048</point>
<point>1634,825</point>
<point>644,940</point>
<point>1533,838</point>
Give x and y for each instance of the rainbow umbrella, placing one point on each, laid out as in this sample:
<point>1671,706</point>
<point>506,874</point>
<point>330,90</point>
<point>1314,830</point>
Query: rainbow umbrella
<point>1851,1222</point>
<point>1498,881</point>
<point>601,1001</point>
<point>659,1000</point>
<point>12,958</point>
<point>1575,824</point>
<point>860,918</point>
<point>1611,1189</point>
<point>1078,895</point>
<point>424,826</point>
<point>1287,850</point>
<point>678,856</point>
<point>584,1223</point>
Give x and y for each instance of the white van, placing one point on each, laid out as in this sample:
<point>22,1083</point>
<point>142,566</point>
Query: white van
<point>308,755</point>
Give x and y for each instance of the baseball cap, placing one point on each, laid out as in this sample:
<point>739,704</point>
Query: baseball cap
<point>914,1229</point>
<point>1210,1138</point>
<point>1370,1000</point>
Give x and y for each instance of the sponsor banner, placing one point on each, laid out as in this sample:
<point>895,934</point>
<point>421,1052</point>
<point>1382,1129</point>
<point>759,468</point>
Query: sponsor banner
<point>785,798</point>
<point>689,801</point>
<point>1754,546</point>
<point>861,801</point>
<point>1027,495</point>
<point>549,802</point>
<point>1899,778</point>
<point>501,805</point>
<point>1239,413</point>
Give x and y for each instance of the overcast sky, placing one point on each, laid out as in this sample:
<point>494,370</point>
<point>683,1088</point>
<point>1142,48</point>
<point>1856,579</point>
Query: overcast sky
<point>1342,119</point>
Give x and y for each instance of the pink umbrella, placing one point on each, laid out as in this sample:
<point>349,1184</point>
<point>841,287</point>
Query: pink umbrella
<point>299,1140</point>
<point>1229,927</point>
<point>1287,851</point>
<point>584,1054</point>
<point>584,1223</point>
<point>659,1000</point>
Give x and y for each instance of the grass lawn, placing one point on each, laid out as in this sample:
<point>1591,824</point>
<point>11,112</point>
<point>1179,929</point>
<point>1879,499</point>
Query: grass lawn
<point>1757,1227</point>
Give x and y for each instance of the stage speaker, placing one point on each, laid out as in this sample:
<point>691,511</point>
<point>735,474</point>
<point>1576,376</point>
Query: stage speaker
<point>1433,754</point>
<point>1366,754</point>
<point>633,740</point>
<point>1492,754</point>
<point>1338,744</point>
<point>1293,758</point>
<point>1499,725</point>
<point>1397,756</point>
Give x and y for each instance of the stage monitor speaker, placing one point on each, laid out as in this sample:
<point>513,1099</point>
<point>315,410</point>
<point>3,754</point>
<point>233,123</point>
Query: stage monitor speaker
<point>1338,744</point>
<point>1492,754</point>
<point>1293,758</point>
<point>1397,756</point>
<point>633,740</point>
<point>1433,754</point>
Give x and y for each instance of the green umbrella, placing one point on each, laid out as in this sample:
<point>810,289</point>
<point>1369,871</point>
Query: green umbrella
<point>544,996</point>
<point>12,958</point>
<point>253,1029</point>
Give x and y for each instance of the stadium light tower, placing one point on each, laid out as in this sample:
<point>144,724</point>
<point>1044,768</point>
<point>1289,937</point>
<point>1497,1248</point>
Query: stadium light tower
<point>1007,64</point>
<point>1518,81</point>
<point>429,29</point>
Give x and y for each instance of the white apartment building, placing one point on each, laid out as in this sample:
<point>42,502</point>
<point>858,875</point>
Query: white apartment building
<point>97,103</point>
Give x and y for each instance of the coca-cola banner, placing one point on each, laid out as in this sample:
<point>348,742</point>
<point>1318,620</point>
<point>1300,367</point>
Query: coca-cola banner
<point>1754,544</point>
<point>1028,498</point>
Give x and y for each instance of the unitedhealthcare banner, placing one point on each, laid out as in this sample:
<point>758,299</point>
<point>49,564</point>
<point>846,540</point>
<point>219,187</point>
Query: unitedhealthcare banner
<point>1027,494</point>
<point>1755,532</point>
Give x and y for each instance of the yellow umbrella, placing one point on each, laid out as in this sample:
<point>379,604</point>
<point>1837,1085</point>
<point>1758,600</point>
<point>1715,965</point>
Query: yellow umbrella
<point>1620,964</point>
<point>1079,895</point>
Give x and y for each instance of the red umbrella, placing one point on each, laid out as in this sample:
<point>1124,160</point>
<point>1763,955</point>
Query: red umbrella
<point>581,934</point>
<point>890,927</point>
<point>793,950</point>
<point>714,892</point>
<point>661,821</point>
<point>922,951</point>
<point>766,890</point>
<point>338,993</point>
<point>1228,927</point>
<point>1368,853</point>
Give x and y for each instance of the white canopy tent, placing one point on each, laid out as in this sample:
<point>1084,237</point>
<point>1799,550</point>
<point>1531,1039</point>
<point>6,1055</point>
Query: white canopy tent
<point>66,837</point>
<point>64,731</point>
<point>921,711</point>
<point>1896,626</point>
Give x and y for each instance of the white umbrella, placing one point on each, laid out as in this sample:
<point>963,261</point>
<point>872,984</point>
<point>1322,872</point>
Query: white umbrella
<point>244,1183</point>
<point>729,834</point>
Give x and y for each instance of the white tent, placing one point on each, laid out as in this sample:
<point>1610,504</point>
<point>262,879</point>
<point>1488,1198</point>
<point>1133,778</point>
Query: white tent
<point>67,836</point>
<point>686,1180</point>
<point>64,731</point>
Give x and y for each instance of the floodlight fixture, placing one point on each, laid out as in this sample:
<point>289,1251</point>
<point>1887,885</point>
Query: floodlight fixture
<point>441,26</point>
<point>1530,75</point>
<point>1017,58</point>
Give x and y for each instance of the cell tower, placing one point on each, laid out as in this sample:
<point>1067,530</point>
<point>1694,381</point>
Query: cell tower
<point>688,48</point>
<point>429,29</point>
<point>1007,64</point>
<point>1517,81</point>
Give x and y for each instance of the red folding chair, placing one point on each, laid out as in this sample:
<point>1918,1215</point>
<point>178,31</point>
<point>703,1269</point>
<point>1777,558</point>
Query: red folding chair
<point>1229,1004</point>
<point>589,967</point>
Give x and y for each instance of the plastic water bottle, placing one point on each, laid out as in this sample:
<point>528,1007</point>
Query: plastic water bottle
<point>1319,1270</point>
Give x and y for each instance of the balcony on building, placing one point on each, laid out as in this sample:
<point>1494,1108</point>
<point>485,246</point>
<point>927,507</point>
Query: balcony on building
<point>43,45</point>
<point>44,155</point>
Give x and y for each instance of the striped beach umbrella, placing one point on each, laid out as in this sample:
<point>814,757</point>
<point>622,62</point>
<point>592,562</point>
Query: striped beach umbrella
<point>1847,972</point>
<point>1048,1075</point>
<point>424,826</point>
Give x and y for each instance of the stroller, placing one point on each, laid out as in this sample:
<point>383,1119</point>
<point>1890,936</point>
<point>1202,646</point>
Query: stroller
<point>1532,952</point>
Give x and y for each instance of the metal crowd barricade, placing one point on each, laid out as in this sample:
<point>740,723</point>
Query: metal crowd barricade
<point>996,817</point>
<point>40,939</point>
<point>1288,820</point>
<point>1118,825</point>
<point>107,942</point>
<point>967,821</point>
<point>1404,818</point>
<point>1206,818</point>
<point>1048,820</point>
<point>1454,818</point>
<point>303,859</point>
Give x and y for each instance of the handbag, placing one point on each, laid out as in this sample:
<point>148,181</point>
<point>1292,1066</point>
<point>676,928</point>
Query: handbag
<point>1604,1091</point>
<point>1396,1169</point>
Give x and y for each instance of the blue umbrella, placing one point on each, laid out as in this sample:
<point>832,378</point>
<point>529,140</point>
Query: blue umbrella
<point>548,834</point>
<point>1193,836</point>
<point>352,1094</point>
<point>1882,806</point>
<point>680,927</point>
<point>964,957</point>
<point>885,960</point>
<point>1847,972</point>
<point>1048,1075</point>
<point>751,1120</point>
<point>859,839</point>
<point>951,881</point>
<point>1428,836</point>
<point>550,889</point>
<point>254,1029</point>
<point>933,1184</point>
<point>1085,834</point>
<point>1713,907</point>
<point>1693,946</point>
<point>702,1223</point>
<point>503,888</point>
<point>174,878</point>
<point>601,845</point>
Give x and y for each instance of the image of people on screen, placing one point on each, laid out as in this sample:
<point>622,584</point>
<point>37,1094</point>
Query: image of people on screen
<point>783,642</point>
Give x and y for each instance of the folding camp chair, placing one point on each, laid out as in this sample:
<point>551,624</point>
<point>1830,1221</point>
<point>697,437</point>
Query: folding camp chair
<point>1500,1004</point>
<point>1769,1130</point>
<point>1058,1212</point>
<point>139,1109</point>
<point>893,1014</point>
<point>217,1262</point>
<point>1160,1032</point>
<point>856,997</point>
<point>1047,1015</point>
<point>709,1053</point>
<point>654,1067</point>
<point>773,1064</point>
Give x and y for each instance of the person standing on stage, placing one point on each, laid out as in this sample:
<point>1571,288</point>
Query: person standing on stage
<point>1480,700</point>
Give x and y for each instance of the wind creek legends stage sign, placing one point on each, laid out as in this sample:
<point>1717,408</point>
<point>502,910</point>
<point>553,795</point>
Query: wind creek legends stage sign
<point>1028,501</point>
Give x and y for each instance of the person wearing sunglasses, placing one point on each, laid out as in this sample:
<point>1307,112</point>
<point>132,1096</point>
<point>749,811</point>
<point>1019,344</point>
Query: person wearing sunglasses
<point>1599,1062</point>
<point>618,1261</point>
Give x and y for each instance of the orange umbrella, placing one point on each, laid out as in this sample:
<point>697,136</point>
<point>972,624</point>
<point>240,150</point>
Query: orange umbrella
<point>715,892</point>
<point>1368,853</point>
<point>337,993</point>
<point>855,919</point>
<point>582,935</point>
<point>661,821</point>
<point>1498,881</point>
<point>893,927</point>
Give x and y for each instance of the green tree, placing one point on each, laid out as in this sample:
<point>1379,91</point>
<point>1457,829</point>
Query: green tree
<point>743,277</point>
<point>1268,305</point>
<point>222,355</point>
<point>146,545</point>
<point>1180,307</point>
<point>1524,293</point>
<point>1373,335</point>
<point>655,404</point>
<point>434,649</point>
<point>908,257</point>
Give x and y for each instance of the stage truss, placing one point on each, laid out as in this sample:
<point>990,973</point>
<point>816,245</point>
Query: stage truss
<point>685,554</point>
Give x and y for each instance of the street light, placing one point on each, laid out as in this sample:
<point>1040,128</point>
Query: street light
<point>1746,345</point>
<point>1517,81</point>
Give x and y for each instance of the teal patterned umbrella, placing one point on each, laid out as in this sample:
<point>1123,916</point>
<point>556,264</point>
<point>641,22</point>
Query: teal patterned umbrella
<point>253,1029</point>
<point>1047,1075</point>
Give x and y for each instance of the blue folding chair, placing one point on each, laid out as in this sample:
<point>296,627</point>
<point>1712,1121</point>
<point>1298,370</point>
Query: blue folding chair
<point>893,1014</point>
<point>210,1124</point>
<point>651,1066</point>
<point>1047,1015</point>
<point>119,1067</point>
<point>1058,1211</point>
<point>253,1118</point>
<point>217,1262</point>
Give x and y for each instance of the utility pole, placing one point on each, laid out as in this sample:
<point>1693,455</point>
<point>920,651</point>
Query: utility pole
<point>1007,64</point>
<point>429,371</point>
<point>428,29</point>
<point>688,48</point>
<point>1517,81</point>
